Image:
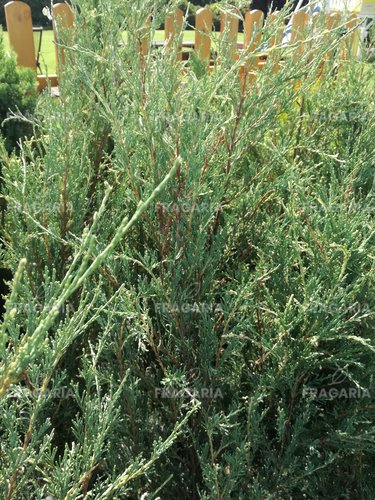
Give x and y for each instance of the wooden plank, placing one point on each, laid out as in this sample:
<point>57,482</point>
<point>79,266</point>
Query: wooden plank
<point>203,30</point>
<point>253,34</point>
<point>350,43</point>
<point>299,28</point>
<point>63,18</point>
<point>332,20</point>
<point>173,27</point>
<point>253,29</point>
<point>145,37</point>
<point>275,25</point>
<point>45,80</point>
<point>20,33</point>
<point>229,23</point>
<point>277,38</point>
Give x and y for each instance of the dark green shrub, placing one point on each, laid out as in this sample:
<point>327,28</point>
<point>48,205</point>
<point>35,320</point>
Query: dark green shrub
<point>17,93</point>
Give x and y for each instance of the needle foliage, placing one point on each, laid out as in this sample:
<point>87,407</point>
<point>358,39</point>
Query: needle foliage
<point>191,314</point>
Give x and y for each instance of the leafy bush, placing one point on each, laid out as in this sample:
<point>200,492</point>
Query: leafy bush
<point>192,309</point>
<point>17,93</point>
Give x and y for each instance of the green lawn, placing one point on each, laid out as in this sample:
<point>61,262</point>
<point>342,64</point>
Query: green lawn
<point>48,50</point>
<point>47,58</point>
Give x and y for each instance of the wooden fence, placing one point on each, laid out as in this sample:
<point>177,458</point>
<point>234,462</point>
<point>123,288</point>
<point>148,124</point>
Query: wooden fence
<point>20,32</point>
<point>21,36</point>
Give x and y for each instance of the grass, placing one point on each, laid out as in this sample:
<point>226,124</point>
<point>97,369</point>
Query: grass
<point>47,56</point>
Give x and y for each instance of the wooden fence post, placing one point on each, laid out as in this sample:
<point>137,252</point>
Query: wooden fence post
<point>299,24</point>
<point>253,34</point>
<point>20,33</point>
<point>62,18</point>
<point>253,29</point>
<point>203,30</point>
<point>332,20</point>
<point>174,20</point>
<point>229,23</point>
<point>351,41</point>
<point>145,37</point>
<point>273,56</point>
<point>277,38</point>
